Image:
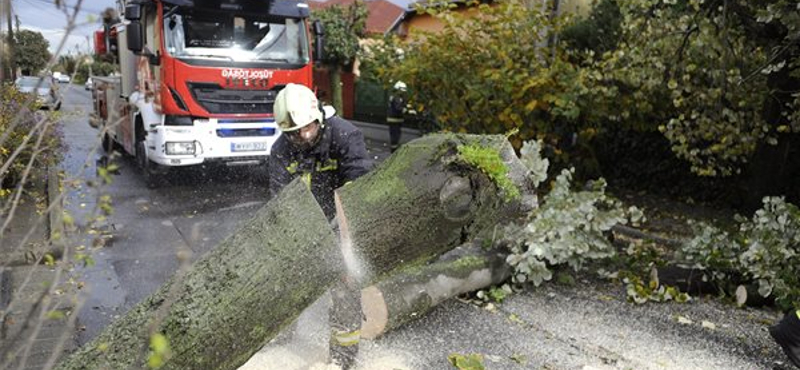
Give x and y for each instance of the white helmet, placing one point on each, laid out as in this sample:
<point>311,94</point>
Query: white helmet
<point>295,107</point>
<point>400,85</point>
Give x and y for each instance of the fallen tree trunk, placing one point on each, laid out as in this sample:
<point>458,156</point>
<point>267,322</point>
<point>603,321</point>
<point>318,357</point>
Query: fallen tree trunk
<point>412,291</point>
<point>235,298</point>
<point>687,279</point>
<point>692,281</point>
<point>421,202</point>
<point>425,200</point>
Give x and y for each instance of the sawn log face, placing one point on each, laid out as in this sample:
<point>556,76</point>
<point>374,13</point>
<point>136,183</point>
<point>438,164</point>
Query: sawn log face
<point>410,292</point>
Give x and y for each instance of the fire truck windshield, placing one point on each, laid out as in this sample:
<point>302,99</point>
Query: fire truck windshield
<point>194,34</point>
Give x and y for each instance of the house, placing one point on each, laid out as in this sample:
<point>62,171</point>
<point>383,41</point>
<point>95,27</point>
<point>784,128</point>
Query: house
<point>382,15</point>
<point>413,22</point>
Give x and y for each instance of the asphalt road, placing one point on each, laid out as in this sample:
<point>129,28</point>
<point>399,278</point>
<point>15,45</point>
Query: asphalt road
<point>586,326</point>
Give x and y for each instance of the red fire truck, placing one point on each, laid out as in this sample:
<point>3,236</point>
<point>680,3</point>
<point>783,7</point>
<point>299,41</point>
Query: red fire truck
<point>198,79</point>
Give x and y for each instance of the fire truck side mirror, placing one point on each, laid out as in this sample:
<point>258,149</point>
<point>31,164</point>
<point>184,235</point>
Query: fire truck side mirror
<point>135,36</point>
<point>319,40</point>
<point>319,29</point>
<point>133,12</point>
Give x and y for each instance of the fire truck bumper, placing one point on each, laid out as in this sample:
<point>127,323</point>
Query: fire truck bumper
<point>211,140</point>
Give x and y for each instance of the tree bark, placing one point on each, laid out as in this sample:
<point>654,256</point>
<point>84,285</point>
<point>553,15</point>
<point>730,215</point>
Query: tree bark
<point>688,280</point>
<point>424,201</point>
<point>747,295</point>
<point>336,88</point>
<point>235,298</point>
<point>412,291</point>
<point>421,202</point>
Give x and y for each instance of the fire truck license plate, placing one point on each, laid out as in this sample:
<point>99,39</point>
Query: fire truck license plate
<point>256,146</point>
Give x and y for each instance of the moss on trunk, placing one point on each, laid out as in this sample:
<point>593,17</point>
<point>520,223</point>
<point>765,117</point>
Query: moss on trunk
<point>235,298</point>
<point>425,200</point>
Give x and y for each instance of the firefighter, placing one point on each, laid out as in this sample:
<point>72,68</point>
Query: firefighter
<point>326,154</point>
<point>787,335</point>
<point>395,114</point>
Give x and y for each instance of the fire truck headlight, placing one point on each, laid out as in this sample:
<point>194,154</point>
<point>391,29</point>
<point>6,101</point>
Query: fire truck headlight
<point>181,147</point>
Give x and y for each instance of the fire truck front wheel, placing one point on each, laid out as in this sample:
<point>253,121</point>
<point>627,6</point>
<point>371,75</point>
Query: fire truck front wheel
<point>108,143</point>
<point>152,173</point>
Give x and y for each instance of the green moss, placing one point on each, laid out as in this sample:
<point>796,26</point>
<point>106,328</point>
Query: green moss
<point>423,264</point>
<point>469,262</point>
<point>390,177</point>
<point>488,161</point>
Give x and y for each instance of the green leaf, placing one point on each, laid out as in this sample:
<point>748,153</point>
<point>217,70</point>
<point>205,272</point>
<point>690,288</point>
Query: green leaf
<point>466,362</point>
<point>160,351</point>
<point>49,260</point>
<point>55,315</point>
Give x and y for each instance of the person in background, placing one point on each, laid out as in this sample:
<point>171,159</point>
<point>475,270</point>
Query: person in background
<point>787,335</point>
<point>326,154</point>
<point>395,114</point>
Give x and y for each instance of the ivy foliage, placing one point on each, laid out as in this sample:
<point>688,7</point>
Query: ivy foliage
<point>567,229</point>
<point>765,249</point>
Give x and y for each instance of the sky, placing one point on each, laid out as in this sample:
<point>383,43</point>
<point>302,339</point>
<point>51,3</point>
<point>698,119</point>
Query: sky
<point>44,17</point>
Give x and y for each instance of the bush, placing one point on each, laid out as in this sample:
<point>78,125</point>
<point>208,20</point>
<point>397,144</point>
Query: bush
<point>98,69</point>
<point>567,229</point>
<point>765,249</point>
<point>21,127</point>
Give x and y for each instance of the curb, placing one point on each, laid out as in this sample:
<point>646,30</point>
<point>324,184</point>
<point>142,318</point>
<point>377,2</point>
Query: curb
<point>6,289</point>
<point>56,215</point>
<point>379,132</point>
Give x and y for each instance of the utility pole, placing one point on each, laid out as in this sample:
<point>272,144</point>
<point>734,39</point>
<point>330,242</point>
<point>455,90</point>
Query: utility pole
<point>10,43</point>
<point>2,45</point>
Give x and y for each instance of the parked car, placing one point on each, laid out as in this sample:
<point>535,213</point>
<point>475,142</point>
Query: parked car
<point>45,90</point>
<point>88,85</point>
<point>63,78</point>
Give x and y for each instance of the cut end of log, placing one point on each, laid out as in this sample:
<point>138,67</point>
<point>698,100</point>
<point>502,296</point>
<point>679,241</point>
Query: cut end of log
<point>741,296</point>
<point>375,311</point>
<point>456,198</point>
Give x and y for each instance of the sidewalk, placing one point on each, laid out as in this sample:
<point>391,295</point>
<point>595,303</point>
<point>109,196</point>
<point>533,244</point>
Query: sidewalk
<point>36,306</point>
<point>380,133</point>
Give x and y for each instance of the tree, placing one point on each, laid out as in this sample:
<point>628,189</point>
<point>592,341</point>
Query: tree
<point>718,76</point>
<point>67,63</point>
<point>488,73</point>
<point>718,79</point>
<point>31,51</point>
<point>344,26</point>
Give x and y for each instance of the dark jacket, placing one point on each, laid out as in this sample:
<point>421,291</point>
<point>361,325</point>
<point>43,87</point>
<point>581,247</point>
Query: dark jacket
<point>396,109</point>
<point>340,156</point>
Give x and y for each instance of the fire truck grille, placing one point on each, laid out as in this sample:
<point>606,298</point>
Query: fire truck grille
<point>217,100</point>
